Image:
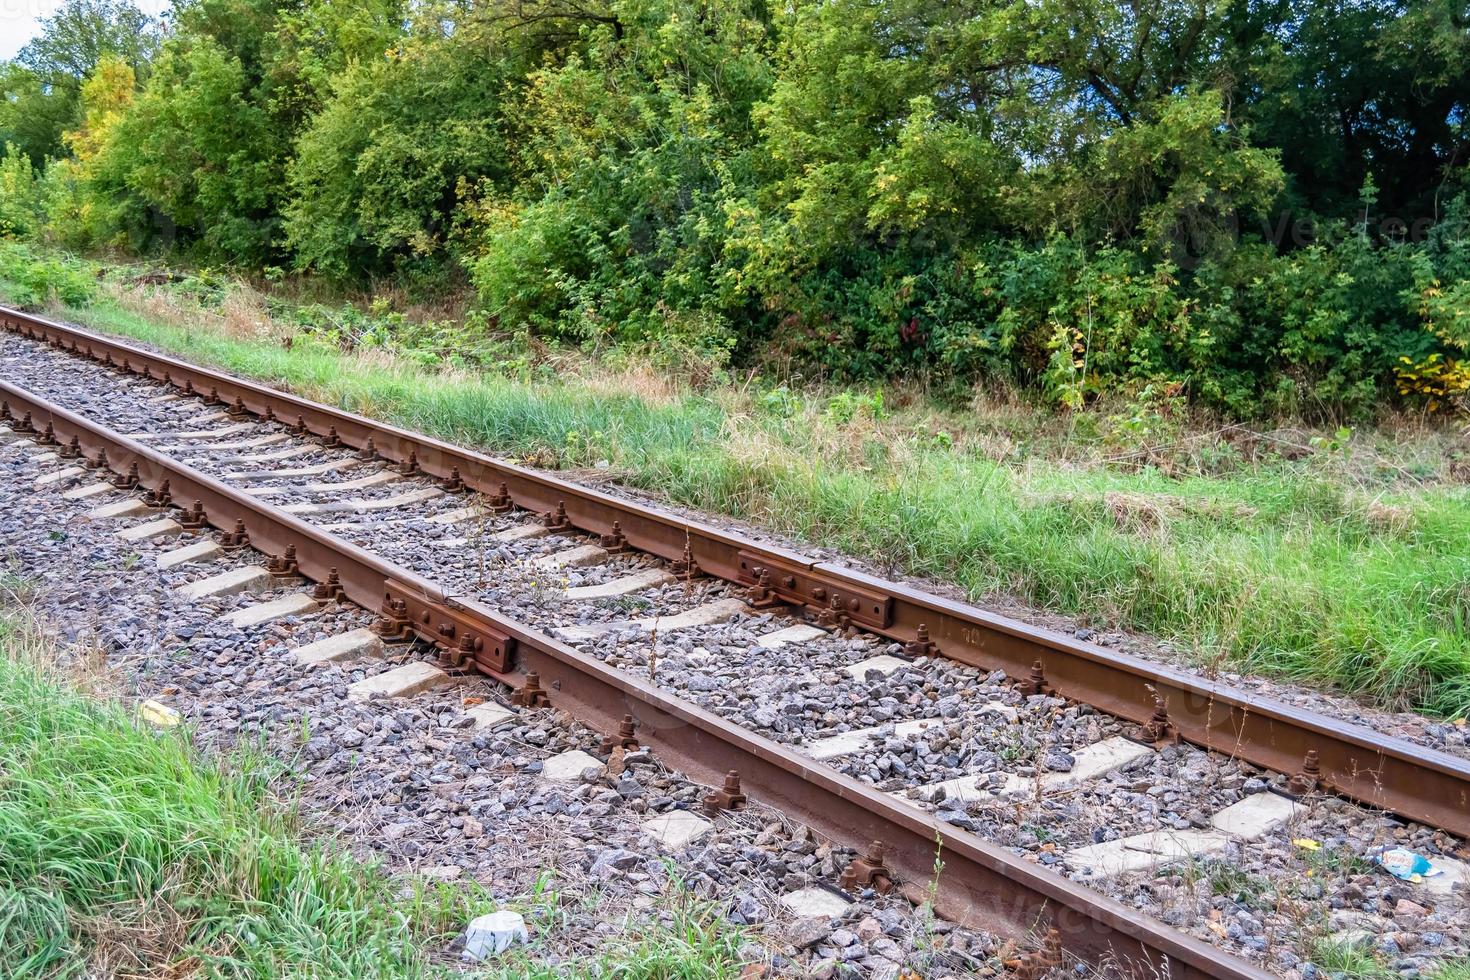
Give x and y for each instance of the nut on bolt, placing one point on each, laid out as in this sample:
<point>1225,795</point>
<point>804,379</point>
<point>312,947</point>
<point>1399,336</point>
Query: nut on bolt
<point>329,589</point>
<point>868,871</point>
<point>626,736</point>
<point>920,645</point>
<point>1037,963</point>
<point>531,693</point>
<point>236,539</point>
<point>728,797</point>
<point>1309,778</point>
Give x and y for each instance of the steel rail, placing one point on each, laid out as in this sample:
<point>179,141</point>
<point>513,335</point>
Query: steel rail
<point>970,879</point>
<point>1393,773</point>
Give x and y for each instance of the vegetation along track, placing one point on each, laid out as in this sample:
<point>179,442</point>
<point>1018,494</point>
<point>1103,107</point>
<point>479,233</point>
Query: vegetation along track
<point>431,570</point>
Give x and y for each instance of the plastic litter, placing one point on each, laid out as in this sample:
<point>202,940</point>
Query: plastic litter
<point>159,714</point>
<point>1404,864</point>
<point>492,934</point>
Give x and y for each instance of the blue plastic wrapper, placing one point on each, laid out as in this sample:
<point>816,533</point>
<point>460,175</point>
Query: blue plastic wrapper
<point>1404,863</point>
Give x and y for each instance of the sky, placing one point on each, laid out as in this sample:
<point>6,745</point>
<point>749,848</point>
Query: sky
<point>20,20</point>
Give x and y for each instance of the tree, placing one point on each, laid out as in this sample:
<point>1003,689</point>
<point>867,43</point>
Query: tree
<point>381,169</point>
<point>40,90</point>
<point>83,32</point>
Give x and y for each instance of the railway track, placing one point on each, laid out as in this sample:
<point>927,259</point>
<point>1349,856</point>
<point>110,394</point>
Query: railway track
<point>869,709</point>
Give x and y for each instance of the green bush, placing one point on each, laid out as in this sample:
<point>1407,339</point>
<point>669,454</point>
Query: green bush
<point>35,281</point>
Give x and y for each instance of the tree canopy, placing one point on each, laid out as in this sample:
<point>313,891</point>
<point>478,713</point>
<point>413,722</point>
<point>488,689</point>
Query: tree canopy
<point>1260,203</point>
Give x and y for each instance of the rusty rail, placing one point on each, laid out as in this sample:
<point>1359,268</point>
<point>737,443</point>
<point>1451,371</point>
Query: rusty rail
<point>1392,773</point>
<point>980,884</point>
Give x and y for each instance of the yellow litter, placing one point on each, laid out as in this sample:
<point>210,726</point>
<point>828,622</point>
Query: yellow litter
<point>157,713</point>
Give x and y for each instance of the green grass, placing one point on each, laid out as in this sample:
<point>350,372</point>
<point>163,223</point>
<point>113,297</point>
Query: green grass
<point>1358,961</point>
<point>1344,571</point>
<point>121,846</point>
<point>123,850</point>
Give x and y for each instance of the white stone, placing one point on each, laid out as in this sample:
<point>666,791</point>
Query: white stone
<point>712,612</point>
<point>521,532</point>
<point>198,551</point>
<point>458,515</point>
<point>277,456</point>
<point>252,578</point>
<point>59,476</point>
<point>587,554</point>
<point>1146,851</point>
<point>799,633</point>
<point>88,491</point>
<point>361,483</point>
<point>195,434</point>
<point>1452,873</point>
<point>568,766</point>
<point>400,682</point>
<point>489,715</point>
<point>1256,816</point>
<point>846,743</point>
<point>677,828</point>
<point>295,604</point>
<point>49,456</point>
<point>1088,763</point>
<point>237,446</point>
<point>132,507</point>
<point>384,503</point>
<point>315,469</point>
<point>815,902</point>
<point>344,646</point>
<point>882,663</point>
<point>647,579</point>
<point>1249,819</point>
<point>161,528</point>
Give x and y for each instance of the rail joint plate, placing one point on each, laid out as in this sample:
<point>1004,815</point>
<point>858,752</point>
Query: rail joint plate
<point>802,586</point>
<point>455,631</point>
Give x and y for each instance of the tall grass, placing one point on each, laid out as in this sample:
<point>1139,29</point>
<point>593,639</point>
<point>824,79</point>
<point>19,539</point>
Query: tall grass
<point>123,851</point>
<point>1285,569</point>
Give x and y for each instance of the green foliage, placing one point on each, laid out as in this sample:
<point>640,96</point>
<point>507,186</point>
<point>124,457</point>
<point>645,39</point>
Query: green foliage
<point>1259,206</point>
<point>198,145</point>
<point>405,138</point>
<point>35,281</point>
<point>20,197</point>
